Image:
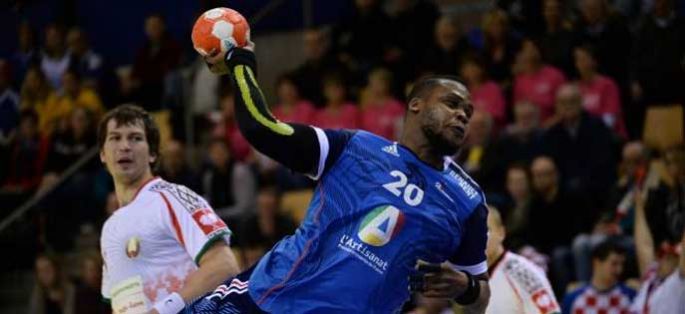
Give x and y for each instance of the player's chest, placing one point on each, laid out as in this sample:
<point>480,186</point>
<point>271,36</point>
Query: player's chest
<point>134,237</point>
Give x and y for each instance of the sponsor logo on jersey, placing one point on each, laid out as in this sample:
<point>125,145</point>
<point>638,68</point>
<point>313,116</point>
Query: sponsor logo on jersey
<point>133,247</point>
<point>381,225</point>
<point>471,192</point>
<point>208,221</point>
<point>392,150</point>
<point>363,253</point>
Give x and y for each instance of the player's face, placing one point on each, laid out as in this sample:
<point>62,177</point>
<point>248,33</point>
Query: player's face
<point>612,268</point>
<point>445,118</point>
<point>126,152</point>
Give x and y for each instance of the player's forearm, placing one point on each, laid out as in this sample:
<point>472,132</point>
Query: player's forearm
<point>482,302</point>
<point>644,245</point>
<point>212,272</point>
<point>295,146</point>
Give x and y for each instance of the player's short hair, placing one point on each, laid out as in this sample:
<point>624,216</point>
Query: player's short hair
<point>130,115</point>
<point>602,251</point>
<point>424,86</point>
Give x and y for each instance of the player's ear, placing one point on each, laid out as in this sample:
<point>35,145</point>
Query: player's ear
<point>102,156</point>
<point>415,105</point>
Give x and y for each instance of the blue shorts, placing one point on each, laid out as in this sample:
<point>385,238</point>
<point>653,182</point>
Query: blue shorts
<point>231,297</point>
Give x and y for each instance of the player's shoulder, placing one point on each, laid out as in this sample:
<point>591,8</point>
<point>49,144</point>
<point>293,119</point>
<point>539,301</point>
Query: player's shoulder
<point>174,195</point>
<point>366,137</point>
<point>465,183</point>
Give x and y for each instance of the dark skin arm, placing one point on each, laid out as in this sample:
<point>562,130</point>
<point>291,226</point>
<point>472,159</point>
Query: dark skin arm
<point>446,283</point>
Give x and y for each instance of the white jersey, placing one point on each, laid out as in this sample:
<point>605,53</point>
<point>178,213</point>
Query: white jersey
<point>519,286</point>
<point>667,297</point>
<point>152,244</point>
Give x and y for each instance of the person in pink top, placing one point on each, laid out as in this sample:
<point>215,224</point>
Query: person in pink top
<point>381,113</point>
<point>535,81</point>
<point>290,107</point>
<point>338,112</point>
<point>486,94</point>
<point>600,93</point>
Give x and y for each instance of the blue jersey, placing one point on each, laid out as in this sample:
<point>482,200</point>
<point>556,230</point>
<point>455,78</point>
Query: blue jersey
<point>376,211</point>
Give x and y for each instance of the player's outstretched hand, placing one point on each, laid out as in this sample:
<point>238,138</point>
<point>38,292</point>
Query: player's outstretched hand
<point>216,59</point>
<point>439,281</point>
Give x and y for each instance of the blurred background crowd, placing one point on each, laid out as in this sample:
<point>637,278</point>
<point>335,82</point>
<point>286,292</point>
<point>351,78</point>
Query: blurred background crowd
<point>578,120</point>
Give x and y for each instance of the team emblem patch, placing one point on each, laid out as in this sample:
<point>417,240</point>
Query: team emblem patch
<point>208,221</point>
<point>133,247</point>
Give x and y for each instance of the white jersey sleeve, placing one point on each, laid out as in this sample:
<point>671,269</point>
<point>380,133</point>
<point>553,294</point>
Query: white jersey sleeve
<point>106,283</point>
<point>191,220</point>
<point>530,285</point>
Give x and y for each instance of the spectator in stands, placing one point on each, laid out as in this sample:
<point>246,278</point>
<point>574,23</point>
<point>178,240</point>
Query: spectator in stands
<point>9,105</point>
<point>535,81</point>
<point>88,297</point>
<point>665,204</point>
<point>479,156</point>
<point>556,42</point>
<point>158,57</point>
<point>53,293</point>
<point>338,112</point>
<point>617,217</point>
<point>27,157</point>
<point>174,166</point>
<point>556,216</point>
<point>362,40</point>
<point>267,226</point>
<point>228,185</point>
<point>486,94</point>
<point>601,97</point>
<point>204,99</point>
<point>68,146</point>
<point>522,140</point>
<point>663,272</point>
<point>525,15</point>
<point>227,127</point>
<point>26,55</point>
<point>318,62</point>
<point>658,73</point>
<point>499,46</point>
<point>73,95</point>
<point>605,293</point>
<point>291,107</point>
<point>35,90</point>
<point>412,20</point>
<point>88,63</point>
<point>442,56</point>
<point>381,113</point>
<point>602,27</point>
<point>573,139</point>
<point>55,59</point>
<point>520,196</point>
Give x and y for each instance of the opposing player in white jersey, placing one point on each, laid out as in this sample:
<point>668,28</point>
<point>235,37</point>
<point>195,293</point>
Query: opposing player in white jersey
<point>517,285</point>
<point>164,246</point>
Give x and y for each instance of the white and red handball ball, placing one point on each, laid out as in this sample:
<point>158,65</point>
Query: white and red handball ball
<point>220,29</point>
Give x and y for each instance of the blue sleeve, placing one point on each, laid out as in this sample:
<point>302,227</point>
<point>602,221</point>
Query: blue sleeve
<point>470,256</point>
<point>569,298</point>
<point>337,141</point>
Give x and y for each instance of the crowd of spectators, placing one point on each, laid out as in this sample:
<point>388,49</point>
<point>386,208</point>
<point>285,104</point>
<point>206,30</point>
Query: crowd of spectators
<point>560,90</point>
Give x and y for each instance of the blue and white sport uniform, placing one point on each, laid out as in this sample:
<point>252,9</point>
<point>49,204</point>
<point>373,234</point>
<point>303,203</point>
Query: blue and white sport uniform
<point>376,211</point>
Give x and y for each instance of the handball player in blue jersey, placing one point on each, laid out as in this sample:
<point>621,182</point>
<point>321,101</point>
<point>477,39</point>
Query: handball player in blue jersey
<point>387,218</point>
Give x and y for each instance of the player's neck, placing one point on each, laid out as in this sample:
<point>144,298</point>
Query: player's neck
<point>423,150</point>
<point>126,191</point>
<point>496,256</point>
<point>602,285</point>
